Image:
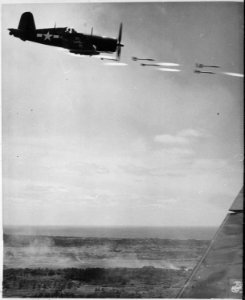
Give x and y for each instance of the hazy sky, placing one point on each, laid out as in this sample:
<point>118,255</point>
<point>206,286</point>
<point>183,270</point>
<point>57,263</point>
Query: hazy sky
<point>89,144</point>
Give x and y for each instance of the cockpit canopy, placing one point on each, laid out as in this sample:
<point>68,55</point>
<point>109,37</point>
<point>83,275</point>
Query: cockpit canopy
<point>70,30</point>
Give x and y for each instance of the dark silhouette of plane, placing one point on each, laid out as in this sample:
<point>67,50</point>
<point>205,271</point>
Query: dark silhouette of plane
<point>205,66</point>
<point>68,38</point>
<point>219,273</point>
<point>147,59</point>
<point>203,72</point>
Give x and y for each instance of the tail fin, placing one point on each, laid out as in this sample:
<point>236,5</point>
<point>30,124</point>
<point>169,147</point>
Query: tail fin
<point>27,22</point>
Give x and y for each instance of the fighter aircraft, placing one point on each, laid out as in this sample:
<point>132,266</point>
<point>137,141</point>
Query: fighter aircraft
<point>147,59</point>
<point>203,72</point>
<point>205,66</point>
<point>68,38</point>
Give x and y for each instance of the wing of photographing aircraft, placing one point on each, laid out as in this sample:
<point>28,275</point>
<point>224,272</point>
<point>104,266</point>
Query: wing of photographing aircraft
<point>219,274</point>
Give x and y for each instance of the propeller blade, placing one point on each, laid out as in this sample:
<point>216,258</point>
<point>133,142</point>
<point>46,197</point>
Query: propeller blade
<point>119,39</point>
<point>120,34</point>
<point>118,52</point>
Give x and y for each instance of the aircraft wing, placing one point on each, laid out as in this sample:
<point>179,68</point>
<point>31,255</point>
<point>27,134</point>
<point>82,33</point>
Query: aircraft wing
<point>219,274</point>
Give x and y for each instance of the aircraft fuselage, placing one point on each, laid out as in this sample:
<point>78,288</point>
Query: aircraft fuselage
<point>60,37</point>
<point>68,38</point>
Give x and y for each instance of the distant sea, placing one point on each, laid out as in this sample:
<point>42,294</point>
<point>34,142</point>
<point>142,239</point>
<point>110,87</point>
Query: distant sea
<point>175,233</point>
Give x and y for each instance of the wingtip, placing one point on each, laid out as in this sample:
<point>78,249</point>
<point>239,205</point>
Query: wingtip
<point>237,205</point>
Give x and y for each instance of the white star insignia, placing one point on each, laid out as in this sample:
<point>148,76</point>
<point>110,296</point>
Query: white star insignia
<point>47,36</point>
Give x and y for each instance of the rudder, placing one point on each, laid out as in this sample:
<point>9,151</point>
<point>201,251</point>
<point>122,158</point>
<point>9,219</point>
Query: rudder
<point>27,22</point>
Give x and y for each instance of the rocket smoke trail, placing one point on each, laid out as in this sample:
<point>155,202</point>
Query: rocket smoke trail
<point>169,70</point>
<point>115,64</point>
<point>164,64</point>
<point>233,74</point>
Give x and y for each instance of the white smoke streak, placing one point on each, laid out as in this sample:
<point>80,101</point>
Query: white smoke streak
<point>233,74</point>
<point>169,70</point>
<point>168,64</point>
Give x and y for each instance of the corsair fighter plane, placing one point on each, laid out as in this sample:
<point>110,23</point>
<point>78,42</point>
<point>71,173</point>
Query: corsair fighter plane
<point>68,38</point>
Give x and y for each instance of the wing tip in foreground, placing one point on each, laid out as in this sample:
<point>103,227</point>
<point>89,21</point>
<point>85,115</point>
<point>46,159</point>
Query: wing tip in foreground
<point>219,273</point>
